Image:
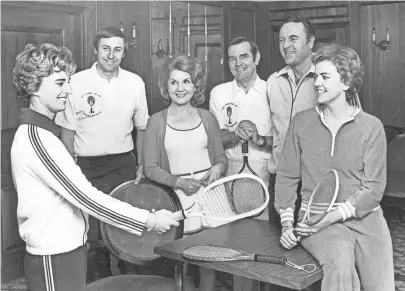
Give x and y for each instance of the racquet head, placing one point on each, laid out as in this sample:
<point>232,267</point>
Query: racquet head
<point>139,250</point>
<point>211,253</point>
<point>234,197</point>
<point>322,199</point>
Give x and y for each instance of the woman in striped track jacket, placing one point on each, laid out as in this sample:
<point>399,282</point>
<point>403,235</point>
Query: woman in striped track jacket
<point>54,197</point>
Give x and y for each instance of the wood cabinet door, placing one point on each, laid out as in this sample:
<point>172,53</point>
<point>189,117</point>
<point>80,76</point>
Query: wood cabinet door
<point>29,22</point>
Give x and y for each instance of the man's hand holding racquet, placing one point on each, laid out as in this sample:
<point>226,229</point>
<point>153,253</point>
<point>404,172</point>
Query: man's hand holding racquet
<point>244,130</point>
<point>250,128</point>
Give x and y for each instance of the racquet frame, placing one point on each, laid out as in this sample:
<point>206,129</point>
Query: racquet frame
<point>183,214</point>
<point>308,210</point>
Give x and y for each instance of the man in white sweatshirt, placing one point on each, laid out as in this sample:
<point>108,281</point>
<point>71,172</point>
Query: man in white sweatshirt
<point>54,197</point>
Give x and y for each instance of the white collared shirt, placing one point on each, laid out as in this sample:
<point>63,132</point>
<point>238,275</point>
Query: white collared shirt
<point>103,113</point>
<point>230,105</point>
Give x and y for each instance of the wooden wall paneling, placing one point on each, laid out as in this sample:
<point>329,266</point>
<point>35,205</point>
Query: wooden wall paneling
<point>383,91</point>
<point>247,27</point>
<point>354,16</point>
<point>263,41</point>
<point>226,37</point>
<point>144,47</point>
<point>159,34</point>
<point>291,5</point>
<point>401,64</point>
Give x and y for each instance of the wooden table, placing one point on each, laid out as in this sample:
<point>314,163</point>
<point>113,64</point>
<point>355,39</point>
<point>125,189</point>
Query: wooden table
<point>252,236</point>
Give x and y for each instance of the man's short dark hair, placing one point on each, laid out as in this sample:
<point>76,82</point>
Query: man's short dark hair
<point>308,28</point>
<point>108,32</point>
<point>237,40</point>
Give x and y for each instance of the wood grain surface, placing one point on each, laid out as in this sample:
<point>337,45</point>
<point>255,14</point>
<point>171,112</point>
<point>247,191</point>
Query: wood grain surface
<point>253,236</point>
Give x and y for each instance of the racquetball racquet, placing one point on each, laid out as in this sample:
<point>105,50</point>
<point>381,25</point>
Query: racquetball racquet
<point>322,199</point>
<point>245,155</point>
<point>210,253</point>
<point>227,201</point>
<point>140,249</point>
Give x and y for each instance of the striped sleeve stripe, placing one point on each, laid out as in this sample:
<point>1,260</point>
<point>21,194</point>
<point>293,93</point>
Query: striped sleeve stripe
<point>287,215</point>
<point>73,190</point>
<point>347,210</point>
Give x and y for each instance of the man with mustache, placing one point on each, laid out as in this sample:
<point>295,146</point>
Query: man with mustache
<point>99,135</point>
<point>244,102</point>
<point>291,89</point>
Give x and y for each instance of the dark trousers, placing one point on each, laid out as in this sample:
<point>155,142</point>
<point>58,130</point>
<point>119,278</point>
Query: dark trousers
<point>105,173</point>
<point>60,272</point>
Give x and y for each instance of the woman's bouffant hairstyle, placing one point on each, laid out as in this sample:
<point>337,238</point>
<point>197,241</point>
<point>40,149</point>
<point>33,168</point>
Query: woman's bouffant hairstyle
<point>348,65</point>
<point>36,62</point>
<point>189,65</point>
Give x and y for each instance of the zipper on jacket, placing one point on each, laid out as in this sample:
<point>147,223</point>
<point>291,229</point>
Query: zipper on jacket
<point>332,150</point>
<point>85,227</point>
<point>294,96</point>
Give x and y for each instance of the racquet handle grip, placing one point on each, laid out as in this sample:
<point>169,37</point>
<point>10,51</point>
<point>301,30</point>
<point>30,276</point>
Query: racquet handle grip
<point>245,147</point>
<point>270,259</point>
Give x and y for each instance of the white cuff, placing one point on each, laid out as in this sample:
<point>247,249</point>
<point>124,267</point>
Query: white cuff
<point>347,210</point>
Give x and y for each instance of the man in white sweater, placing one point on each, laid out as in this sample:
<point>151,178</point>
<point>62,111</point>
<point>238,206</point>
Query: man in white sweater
<point>54,197</point>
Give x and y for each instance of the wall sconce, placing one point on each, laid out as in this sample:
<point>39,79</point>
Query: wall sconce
<point>383,45</point>
<point>132,43</point>
<point>160,53</point>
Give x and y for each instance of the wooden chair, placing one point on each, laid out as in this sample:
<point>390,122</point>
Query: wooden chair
<point>394,196</point>
<point>137,251</point>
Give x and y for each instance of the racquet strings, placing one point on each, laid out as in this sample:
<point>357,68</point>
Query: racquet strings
<point>232,198</point>
<point>210,253</point>
<point>323,196</point>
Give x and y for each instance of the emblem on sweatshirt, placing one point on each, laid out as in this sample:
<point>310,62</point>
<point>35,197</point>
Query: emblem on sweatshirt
<point>91,104</point>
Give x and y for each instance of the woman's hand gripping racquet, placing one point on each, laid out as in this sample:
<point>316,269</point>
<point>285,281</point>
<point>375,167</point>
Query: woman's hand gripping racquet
<point>210,253</point>
<point>322,199</point>
<point>229,199</point>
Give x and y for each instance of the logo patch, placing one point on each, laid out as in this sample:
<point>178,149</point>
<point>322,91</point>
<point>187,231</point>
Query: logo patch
<point>230,115</point>
<point>92,104</point>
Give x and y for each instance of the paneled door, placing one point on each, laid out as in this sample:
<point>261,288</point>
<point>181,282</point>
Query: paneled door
<point>30,22</point>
